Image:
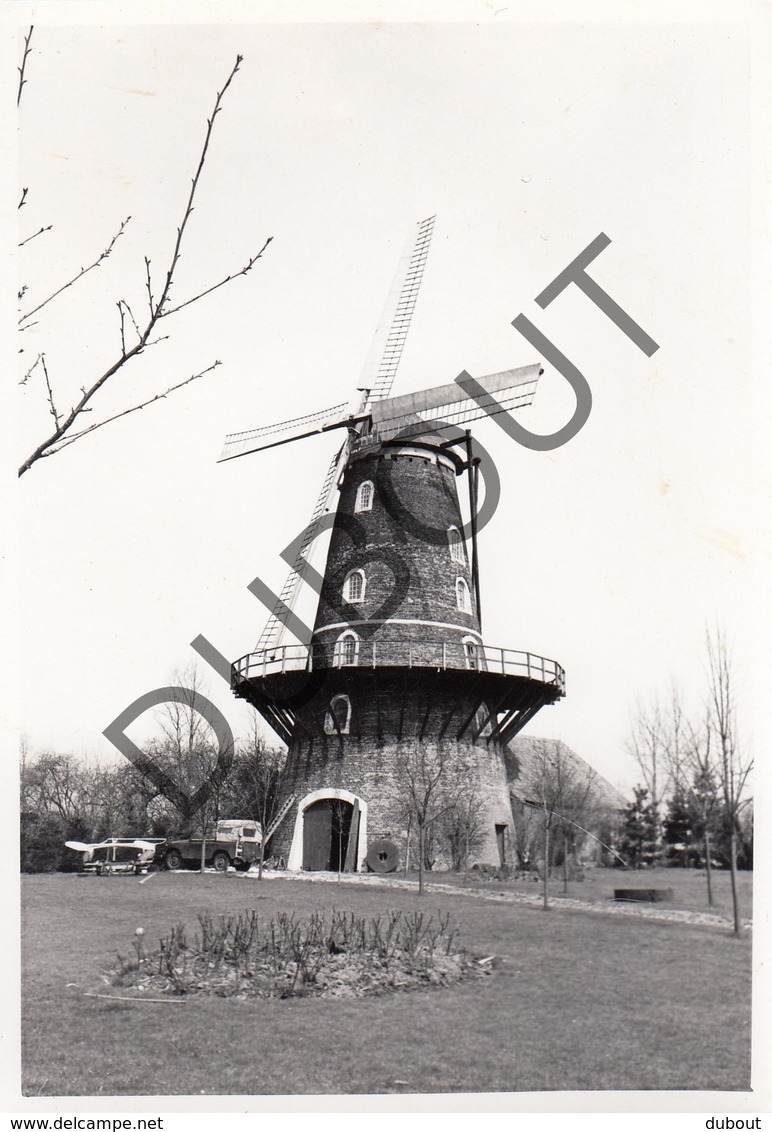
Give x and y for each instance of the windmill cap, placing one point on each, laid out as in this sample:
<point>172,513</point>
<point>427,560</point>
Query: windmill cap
<point>425,446</point>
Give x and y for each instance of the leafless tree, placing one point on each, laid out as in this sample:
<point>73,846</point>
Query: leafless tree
<point>186,748</point>
<point>426,776</point>
<point>54,807</point>
<point>648,745</point>
<point>259,779</point>
<point>732,764</point>
<point>699,789</point>
<point>462,826</point>
<point>677,741</point>
<point>564,793</point>
<point>52,783</point>
<point>136,333</point>
<point>698,761</point>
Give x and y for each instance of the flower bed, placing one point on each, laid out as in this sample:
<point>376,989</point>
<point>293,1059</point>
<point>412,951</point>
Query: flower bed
<point>340,956</point>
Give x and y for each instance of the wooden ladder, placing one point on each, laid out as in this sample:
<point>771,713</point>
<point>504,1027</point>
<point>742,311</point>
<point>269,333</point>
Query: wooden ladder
<point>279,818</point>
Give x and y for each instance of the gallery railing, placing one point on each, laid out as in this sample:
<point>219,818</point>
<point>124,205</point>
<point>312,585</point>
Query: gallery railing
<point>349,652</point>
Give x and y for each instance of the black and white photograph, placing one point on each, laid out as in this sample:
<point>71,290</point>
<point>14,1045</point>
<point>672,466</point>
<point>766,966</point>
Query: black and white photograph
<point>388,615</point>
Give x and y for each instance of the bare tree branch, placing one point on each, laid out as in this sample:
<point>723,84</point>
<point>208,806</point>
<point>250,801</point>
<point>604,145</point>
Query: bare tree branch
<point>149,285</point>
<point>157,309</point>
<point>83,271</point>
<point>46,228</point>
<point>29,371</point>
<point>194,185</point>
<point>253,260</point>
<point>23,200</point>
<point>123,305</point>
<point>158,397</point>
<point>123,334</point>
<point>21,69</point>
<point>648,746</point>
<point>54,413</point>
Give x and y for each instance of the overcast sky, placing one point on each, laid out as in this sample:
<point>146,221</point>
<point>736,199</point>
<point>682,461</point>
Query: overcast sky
<point>527,140</point>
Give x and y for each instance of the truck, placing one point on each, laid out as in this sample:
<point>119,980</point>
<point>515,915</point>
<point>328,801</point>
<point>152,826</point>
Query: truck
<point>236,842</point>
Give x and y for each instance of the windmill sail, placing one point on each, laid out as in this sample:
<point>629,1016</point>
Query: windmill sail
<point>413,413</point>
<point>513,389</point>
<point>273,630</point>
<point>386,350</point>
<point>268,436</point>
<point>378,378</point>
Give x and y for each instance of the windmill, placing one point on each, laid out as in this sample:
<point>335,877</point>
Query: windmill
<point>395,673</point>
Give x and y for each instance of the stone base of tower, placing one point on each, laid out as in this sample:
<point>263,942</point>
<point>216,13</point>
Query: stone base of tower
<point>366,779</point>
<point>365,742</point>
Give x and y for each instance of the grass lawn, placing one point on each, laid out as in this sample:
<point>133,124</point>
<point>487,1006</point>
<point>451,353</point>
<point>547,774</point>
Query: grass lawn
<point>689,887</point>
<point>581,1002</point>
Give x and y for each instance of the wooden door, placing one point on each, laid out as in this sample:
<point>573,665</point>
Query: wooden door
<point>317,835</point>
<point>501,842</point>
<point>341,828</point>
<point>351,862</point>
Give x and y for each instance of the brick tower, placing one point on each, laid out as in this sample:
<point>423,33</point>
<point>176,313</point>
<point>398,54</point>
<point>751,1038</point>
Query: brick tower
<point>396,677</point>
<point>396,682</point>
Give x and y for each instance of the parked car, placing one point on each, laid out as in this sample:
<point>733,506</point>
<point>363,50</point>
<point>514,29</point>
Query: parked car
<point>236,842</point>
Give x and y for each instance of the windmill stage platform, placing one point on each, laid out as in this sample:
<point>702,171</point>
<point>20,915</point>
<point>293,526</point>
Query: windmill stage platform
<point>506,686</point>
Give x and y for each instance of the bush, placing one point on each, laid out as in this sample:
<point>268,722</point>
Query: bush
<point>42,847</point>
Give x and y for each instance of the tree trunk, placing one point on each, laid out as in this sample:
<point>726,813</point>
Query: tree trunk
<point>421,836</point>
<point>565,865</point>
<point>203,845</point>
<point>546,864</point>
<point>733,873</point>
<point>708,875</point>
<point>262,859</point>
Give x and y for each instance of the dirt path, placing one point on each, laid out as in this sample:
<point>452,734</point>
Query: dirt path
<point>557,903</point>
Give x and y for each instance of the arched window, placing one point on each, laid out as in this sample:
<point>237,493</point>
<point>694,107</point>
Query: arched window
<point>456,544</point>
<point>364,500</point>
<point>346,649</point>
<point>463,600</point>
<point>354,586</point>
<point>337,718</point>
<point>470,653</point>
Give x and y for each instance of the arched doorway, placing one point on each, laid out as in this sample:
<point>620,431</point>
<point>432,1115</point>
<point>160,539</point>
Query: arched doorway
<point>330,832</point>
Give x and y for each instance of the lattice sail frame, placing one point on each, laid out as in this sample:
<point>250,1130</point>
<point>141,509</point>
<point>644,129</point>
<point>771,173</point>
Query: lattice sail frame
<point>379,417</point>
<point>377,379</point>
<point>386,418</point>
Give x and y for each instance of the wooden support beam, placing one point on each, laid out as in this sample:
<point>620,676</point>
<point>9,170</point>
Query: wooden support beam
<point>425,719</point>
<point>501,725</point>
<point>378,717</point>
<point>478,688</point>
<point>402,719</point>
<point>402,707</point>
<point>275,722</point>
<point>517,724</point>
<point>446,724</point>
<point>468,721</point>
<point>492,714</point>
